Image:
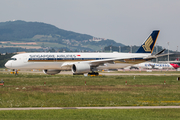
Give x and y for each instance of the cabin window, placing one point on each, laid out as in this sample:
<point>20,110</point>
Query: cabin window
<point>13,59</point>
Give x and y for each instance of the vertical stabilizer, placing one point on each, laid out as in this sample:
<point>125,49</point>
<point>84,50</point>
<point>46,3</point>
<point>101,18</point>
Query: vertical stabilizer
<point>148,45</point>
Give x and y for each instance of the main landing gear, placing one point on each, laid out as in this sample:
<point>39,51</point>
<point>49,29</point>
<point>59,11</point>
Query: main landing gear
<point>89,74</point>
<point>93,73</point>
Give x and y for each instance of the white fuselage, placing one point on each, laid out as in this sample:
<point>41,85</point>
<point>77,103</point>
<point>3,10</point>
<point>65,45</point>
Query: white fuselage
<point>63,61</point>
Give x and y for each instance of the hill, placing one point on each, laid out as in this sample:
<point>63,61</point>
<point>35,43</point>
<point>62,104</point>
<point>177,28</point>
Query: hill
<point>21,34</point>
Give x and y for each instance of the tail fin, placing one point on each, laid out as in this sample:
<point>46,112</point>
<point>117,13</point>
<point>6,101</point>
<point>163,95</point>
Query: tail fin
<point>148,45</point>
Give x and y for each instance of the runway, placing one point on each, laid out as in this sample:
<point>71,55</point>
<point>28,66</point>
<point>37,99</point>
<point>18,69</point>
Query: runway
<point>122,107</point>
<point>126,73</point>
<point>111,73</point>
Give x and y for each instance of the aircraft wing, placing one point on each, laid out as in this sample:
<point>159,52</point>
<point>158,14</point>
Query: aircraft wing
<point>95,63</point>
<point>100,62</point>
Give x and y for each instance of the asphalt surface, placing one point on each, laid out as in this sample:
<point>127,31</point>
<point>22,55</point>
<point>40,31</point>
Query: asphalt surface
<point>103,73</point>
<point>126,73</point>
<point>110,73</point>
<point>55,108</point>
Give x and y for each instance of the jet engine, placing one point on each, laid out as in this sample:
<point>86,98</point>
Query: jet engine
<point>51,72</point>
<point>81,68</point>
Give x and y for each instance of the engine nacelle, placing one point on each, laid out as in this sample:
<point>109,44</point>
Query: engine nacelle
<point>81,68</point>
<point>51,72</point>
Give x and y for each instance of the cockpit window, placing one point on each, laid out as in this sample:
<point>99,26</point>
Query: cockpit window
<point>13,59</point>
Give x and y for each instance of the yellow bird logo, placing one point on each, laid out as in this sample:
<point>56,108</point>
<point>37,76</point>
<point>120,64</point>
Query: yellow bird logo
<point>147,44</point>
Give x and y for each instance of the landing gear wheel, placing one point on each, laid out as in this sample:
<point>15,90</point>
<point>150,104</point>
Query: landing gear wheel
<point>93,73</point>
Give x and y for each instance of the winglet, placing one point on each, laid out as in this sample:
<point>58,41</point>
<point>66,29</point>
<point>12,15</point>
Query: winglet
<point>148,45</point>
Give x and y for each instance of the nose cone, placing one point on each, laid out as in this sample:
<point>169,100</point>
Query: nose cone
<point>8,64</point>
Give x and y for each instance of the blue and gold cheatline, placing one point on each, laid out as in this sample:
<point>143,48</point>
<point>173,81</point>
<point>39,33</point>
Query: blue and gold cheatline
<point>148,45</point>
<point>62,59</point>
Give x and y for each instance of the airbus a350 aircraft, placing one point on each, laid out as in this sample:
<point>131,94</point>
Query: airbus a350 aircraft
<point>53,63</point>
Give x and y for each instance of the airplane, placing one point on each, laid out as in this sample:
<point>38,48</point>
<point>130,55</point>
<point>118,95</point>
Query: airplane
<point>176,61</point>
<point>83,63</point>
<point>151,65</point>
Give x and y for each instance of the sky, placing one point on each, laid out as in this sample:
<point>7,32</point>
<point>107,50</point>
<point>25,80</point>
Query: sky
<point>126,21</point>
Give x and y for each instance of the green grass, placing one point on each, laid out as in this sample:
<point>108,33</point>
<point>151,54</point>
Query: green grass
<point>112,114</point>
<point>28,90</point>
<point>49,44</point>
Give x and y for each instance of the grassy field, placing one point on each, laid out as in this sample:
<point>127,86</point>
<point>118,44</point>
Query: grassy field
<point>29,90</point>
<point>141,114</point>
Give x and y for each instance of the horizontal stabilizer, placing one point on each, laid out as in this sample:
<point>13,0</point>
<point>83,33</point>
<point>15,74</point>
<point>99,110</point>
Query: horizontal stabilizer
<point>160,52</point>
